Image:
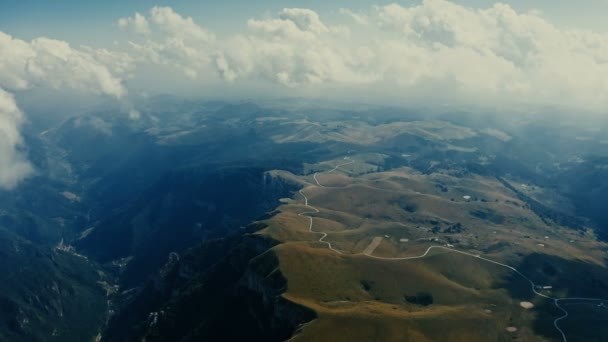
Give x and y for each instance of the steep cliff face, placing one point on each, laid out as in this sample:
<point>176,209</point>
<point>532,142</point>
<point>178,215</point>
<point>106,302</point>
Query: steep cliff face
<point>183,209</point>
<point>263,285</point>
<point>47,294</point>
<point>206,295</point>
<point>207,291</point>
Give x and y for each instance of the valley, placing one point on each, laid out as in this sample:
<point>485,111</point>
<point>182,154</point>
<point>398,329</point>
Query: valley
<point>311,223</point>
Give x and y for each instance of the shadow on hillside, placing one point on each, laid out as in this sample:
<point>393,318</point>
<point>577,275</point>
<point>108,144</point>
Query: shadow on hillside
<point>575,279</point>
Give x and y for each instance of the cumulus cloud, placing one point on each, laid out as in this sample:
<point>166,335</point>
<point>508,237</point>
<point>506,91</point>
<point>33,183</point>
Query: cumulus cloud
<point>494,52</point>
<point>116,62</point>
<point>14,167</point>
<point>55,64</point>
<point>177,26</point>
<point>304,19</point>
<point>137,23</point>
<point>295,49</point>
<point>177,42</point>
<point>436,50</point>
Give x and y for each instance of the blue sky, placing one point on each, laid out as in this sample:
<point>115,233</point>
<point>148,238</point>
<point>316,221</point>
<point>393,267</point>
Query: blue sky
<point>93,22</point>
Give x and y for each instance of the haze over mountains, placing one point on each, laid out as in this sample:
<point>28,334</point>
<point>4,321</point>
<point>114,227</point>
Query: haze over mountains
<point>419,171</point>
<point>166,206</point>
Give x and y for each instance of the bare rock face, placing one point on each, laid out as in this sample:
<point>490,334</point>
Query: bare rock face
<point>204,292</point>
<point>264,281</point>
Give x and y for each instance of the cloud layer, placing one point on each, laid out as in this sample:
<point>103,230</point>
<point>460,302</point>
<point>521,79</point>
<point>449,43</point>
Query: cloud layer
<point>55,64</point>
<point>13,165</point>
<point>436,50</point>
<point>171,40</point>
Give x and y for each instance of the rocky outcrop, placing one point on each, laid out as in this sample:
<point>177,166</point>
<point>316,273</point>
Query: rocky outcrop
<point>208,291</point>
<point>263,283</point>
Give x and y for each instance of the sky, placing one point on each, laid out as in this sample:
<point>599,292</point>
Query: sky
<point>90,22</point>
<point>522,54</point>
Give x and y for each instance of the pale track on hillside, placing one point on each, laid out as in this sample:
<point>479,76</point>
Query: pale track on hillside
<point>449,249</point>
<point>315,210</point>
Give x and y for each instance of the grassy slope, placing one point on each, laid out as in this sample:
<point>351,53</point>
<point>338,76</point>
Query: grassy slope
<point>361,298</point>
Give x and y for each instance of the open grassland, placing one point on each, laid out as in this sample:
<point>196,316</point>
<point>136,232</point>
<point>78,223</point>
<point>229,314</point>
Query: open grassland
<point>376,323</point>
<point>362,133</point>
<point>443,296</point>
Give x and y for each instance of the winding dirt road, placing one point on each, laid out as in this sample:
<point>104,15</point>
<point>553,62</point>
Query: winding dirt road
<point>449,249</point>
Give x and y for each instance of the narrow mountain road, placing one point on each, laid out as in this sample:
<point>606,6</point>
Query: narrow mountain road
<point>449,249</point>
<point>330,171</point>
<point>315,211</point>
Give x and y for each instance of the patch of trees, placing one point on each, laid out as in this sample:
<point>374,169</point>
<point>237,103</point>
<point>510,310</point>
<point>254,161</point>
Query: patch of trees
<point>421,298</point>
<point>598,284</point>
<point>454,228</point>
<point>366,285</point>
<point>404,203</point>
<point>451,240</point>
<point>489,215</point>
<point>501,245</point>
<point>410,207</point>
<point>549,270</point>
<point>441,187</point>
<point>544,212</point>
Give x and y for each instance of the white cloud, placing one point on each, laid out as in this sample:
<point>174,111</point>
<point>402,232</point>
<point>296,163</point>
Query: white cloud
<point>14,166</point>
<point>304,19</point>
<point>137,23</point>
<point>293,50</point>
<point>177,26</point>
<point>117,62</point>
<point>177,41</point>
<point>494,53</point>
<point>436,50</point>
<point>53,63</point>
